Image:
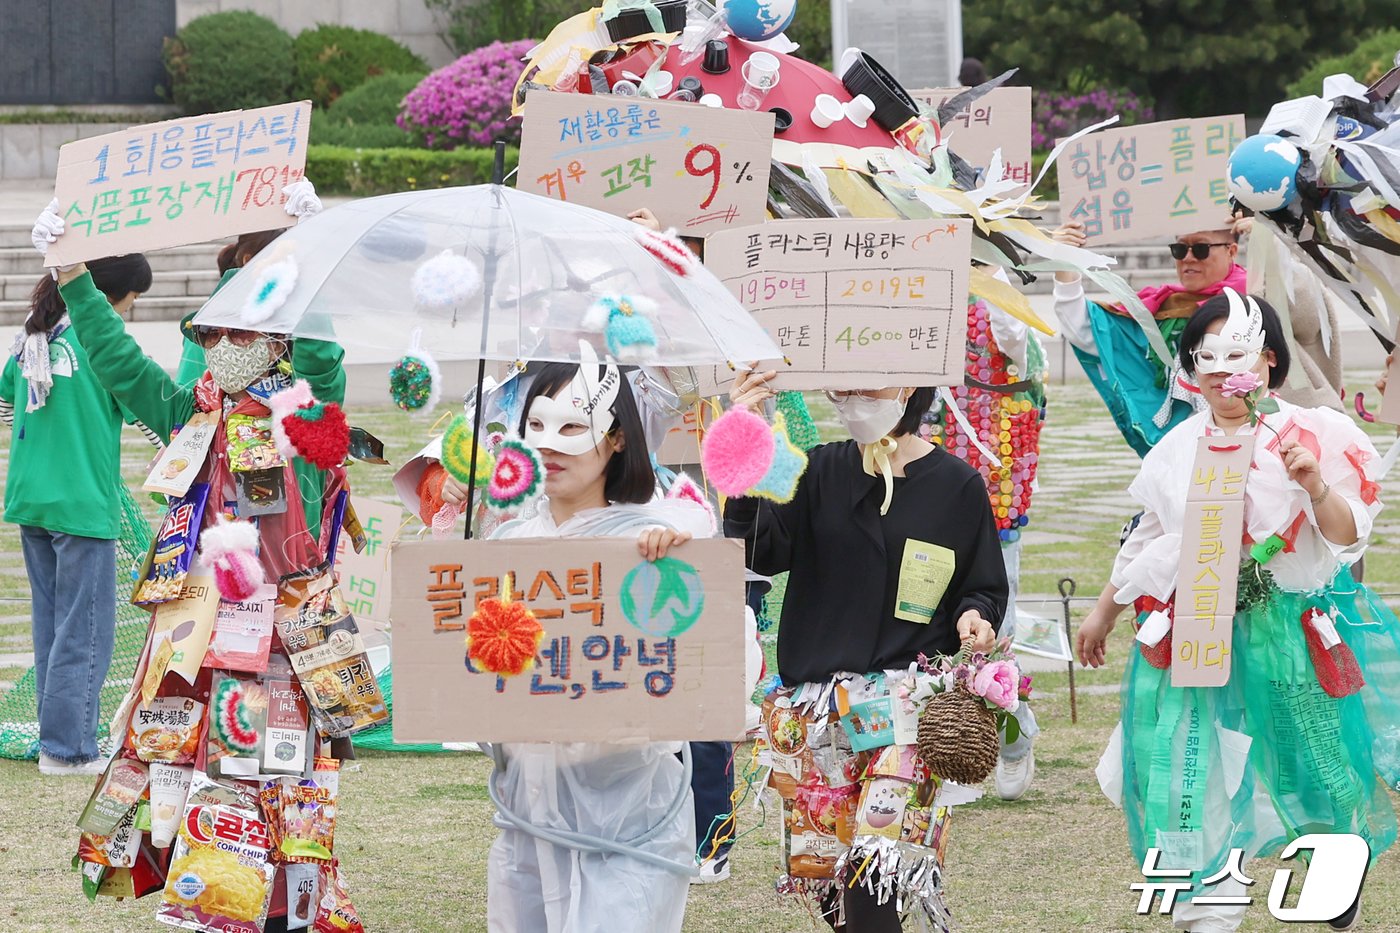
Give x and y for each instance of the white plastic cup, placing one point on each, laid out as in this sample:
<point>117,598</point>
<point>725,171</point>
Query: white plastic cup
<point>826,110</point>
<point>761,70</point>
<point>712,100</point>
<point>859,110</point>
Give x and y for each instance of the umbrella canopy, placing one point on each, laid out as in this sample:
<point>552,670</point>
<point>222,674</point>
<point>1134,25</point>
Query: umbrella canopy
<point>520,275</point>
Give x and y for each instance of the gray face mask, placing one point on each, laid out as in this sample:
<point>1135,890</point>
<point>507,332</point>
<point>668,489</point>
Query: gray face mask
<point>234,368</point>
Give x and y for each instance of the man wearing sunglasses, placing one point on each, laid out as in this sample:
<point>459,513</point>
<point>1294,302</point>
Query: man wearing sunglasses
<point>1148,397</point>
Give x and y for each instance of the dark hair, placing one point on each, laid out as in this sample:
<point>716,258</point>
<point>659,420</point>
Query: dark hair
<point>972,73</point>
<point>236,255</point>
<point>629,476</point>
<point>920,401</point>
<point>1218,308</point>
<point>116,277</point>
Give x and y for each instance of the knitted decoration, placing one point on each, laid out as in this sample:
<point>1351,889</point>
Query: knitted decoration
<point>686,489</point>
<point>303,427</point>
<point>283,404</point>
<point>737,451</point>
<point>445,281</point>
<point>457,446</point>
<point>270,291</point>
<point>503,636</point>
<point>1336,668</point>
<point>625,323</point>
<point>430,484</point>
<point>669,250</point>
<point>231,548</point>
<point>518,476</point>
<point>958,737</point>
<point>801,429</point>
<point>415,382</point>
<point>233,723</point>
<point>789,463</point>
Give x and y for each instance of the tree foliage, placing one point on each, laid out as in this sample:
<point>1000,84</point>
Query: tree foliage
<point>1192,57</point>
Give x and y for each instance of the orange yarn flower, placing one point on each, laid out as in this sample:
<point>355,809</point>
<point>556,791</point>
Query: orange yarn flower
<point>503,636</point>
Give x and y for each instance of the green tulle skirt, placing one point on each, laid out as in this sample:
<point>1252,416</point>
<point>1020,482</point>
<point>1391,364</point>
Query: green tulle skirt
<point>1272,755</point>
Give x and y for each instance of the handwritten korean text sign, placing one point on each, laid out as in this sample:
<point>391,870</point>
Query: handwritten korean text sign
<point>630,650</point>
<point>855,304</point>
<point>1001,119</point>
<point>1154,181</point>
<point>178,182</point>
<point>698,169</point>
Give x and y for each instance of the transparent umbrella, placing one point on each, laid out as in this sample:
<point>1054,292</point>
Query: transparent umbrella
<point>538,264</point>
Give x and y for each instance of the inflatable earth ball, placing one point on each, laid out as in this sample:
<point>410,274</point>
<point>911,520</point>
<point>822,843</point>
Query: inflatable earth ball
<point>1263,172</point>
<point>757,20</point>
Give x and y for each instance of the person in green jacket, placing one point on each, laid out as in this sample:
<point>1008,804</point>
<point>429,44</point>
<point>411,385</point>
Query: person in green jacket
<point>63,489</point>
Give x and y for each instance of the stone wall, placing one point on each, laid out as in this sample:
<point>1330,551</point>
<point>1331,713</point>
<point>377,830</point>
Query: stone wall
<point>407,21</point>
<point>30,150</point>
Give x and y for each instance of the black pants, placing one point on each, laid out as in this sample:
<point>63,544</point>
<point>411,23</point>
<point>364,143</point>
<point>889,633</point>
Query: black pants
<point>712,782</point>
<point>864,913</point>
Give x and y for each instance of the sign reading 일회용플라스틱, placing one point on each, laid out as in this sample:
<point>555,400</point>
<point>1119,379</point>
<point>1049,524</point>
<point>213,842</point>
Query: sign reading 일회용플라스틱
<point>698,169</point>
<point>178,182</point>
<point>631,649</point>
<point>1154,181</point>
<point>854,304</point>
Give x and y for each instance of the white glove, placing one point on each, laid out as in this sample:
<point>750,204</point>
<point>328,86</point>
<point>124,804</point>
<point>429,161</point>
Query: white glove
<point>302,201</point>
<point>47,229</point>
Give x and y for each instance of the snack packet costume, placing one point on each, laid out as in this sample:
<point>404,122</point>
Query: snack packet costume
<point>247,727</point>
<point>1295,741</point>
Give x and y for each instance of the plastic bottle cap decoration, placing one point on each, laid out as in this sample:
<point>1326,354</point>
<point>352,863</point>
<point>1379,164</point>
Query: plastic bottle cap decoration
<point>625,323</point>
<point>503,635</point>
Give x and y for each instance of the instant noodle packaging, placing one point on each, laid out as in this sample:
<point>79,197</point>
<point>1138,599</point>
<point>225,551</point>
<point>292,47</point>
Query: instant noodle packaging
<point>329,657</point>
<point>166,729</point>
<point>220,877</point>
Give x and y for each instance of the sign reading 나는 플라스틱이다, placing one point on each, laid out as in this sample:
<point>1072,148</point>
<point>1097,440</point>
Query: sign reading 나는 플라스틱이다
<point>698,169</point>
<point>178,182</point>
<point>1154,181</point>
<point>854,304</point>
<point>631,649</point>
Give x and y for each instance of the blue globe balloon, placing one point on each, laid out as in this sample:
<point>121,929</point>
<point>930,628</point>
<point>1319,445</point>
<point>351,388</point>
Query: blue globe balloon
<point>757,20</point>
<point>1264,172</point>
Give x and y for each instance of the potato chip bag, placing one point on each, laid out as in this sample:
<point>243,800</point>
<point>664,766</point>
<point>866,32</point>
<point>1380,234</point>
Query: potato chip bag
<point>220,878</point>
<point>308,813</point>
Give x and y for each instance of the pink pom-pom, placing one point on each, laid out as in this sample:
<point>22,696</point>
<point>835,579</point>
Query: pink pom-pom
<point>687,490</point>
<point>669,249</point>
<point>283,404</point>
<point>238,576</point>
<point>737,451</point>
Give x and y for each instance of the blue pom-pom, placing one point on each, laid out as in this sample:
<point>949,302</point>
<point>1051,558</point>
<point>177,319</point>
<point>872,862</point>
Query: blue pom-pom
<point>630,337</point>
<point>789,463</point>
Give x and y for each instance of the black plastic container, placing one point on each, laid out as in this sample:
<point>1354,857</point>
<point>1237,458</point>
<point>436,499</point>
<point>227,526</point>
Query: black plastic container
<point>893,105</point>
<point>782,119</point>
<point>631,23</point>
<point>693,85</point>
<point>716,57</point>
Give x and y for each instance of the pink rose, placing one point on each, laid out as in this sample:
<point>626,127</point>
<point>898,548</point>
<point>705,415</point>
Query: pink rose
<point>996,683</point>
<point>1241,384</point>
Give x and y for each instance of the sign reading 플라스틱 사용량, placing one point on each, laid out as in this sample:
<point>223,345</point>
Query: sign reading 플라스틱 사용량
<point>698,169</point>
<point>178,182</point>
<point>854,304</point>
<point>631,649</point>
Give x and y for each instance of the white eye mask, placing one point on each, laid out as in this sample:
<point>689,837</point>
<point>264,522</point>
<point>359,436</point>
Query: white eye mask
<point>1237,347</point>
<point>586,402</point>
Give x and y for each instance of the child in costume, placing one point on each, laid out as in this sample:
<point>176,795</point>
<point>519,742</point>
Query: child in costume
<point>892,553</point>
<point>1303,733</point>
<point>63,488</point>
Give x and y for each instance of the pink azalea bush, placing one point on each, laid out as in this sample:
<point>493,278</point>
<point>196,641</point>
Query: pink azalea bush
<point>467,103</point>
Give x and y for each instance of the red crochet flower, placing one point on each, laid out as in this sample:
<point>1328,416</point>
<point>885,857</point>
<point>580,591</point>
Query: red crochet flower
<point>502,637</point>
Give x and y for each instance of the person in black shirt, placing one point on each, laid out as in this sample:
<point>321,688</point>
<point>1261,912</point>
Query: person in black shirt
<point>878,524</point>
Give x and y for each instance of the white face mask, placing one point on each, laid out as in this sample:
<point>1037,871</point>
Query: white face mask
<point>1240,342</point>
<point>577,421</point>
<point>868,419</point>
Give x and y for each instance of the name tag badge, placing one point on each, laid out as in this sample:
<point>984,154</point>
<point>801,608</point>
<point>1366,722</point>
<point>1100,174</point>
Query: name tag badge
<point>924,574</point>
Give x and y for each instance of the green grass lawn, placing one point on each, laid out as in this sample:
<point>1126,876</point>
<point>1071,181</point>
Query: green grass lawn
<point>413,831</point>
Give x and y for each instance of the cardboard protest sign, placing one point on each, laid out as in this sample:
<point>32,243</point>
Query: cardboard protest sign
<point>682,442</point>
<point>855,304</point>
<point>364,577</point>
<point>181,181</point>
<point>1154,181</point>
<point>699,169</point>
<point>631,649</point>
<point>1390,400</point>
<point>1000,119</point>
<point>1207,578</point>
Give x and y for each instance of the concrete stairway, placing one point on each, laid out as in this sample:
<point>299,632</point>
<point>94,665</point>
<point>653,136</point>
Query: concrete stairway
<point>183,279</point>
